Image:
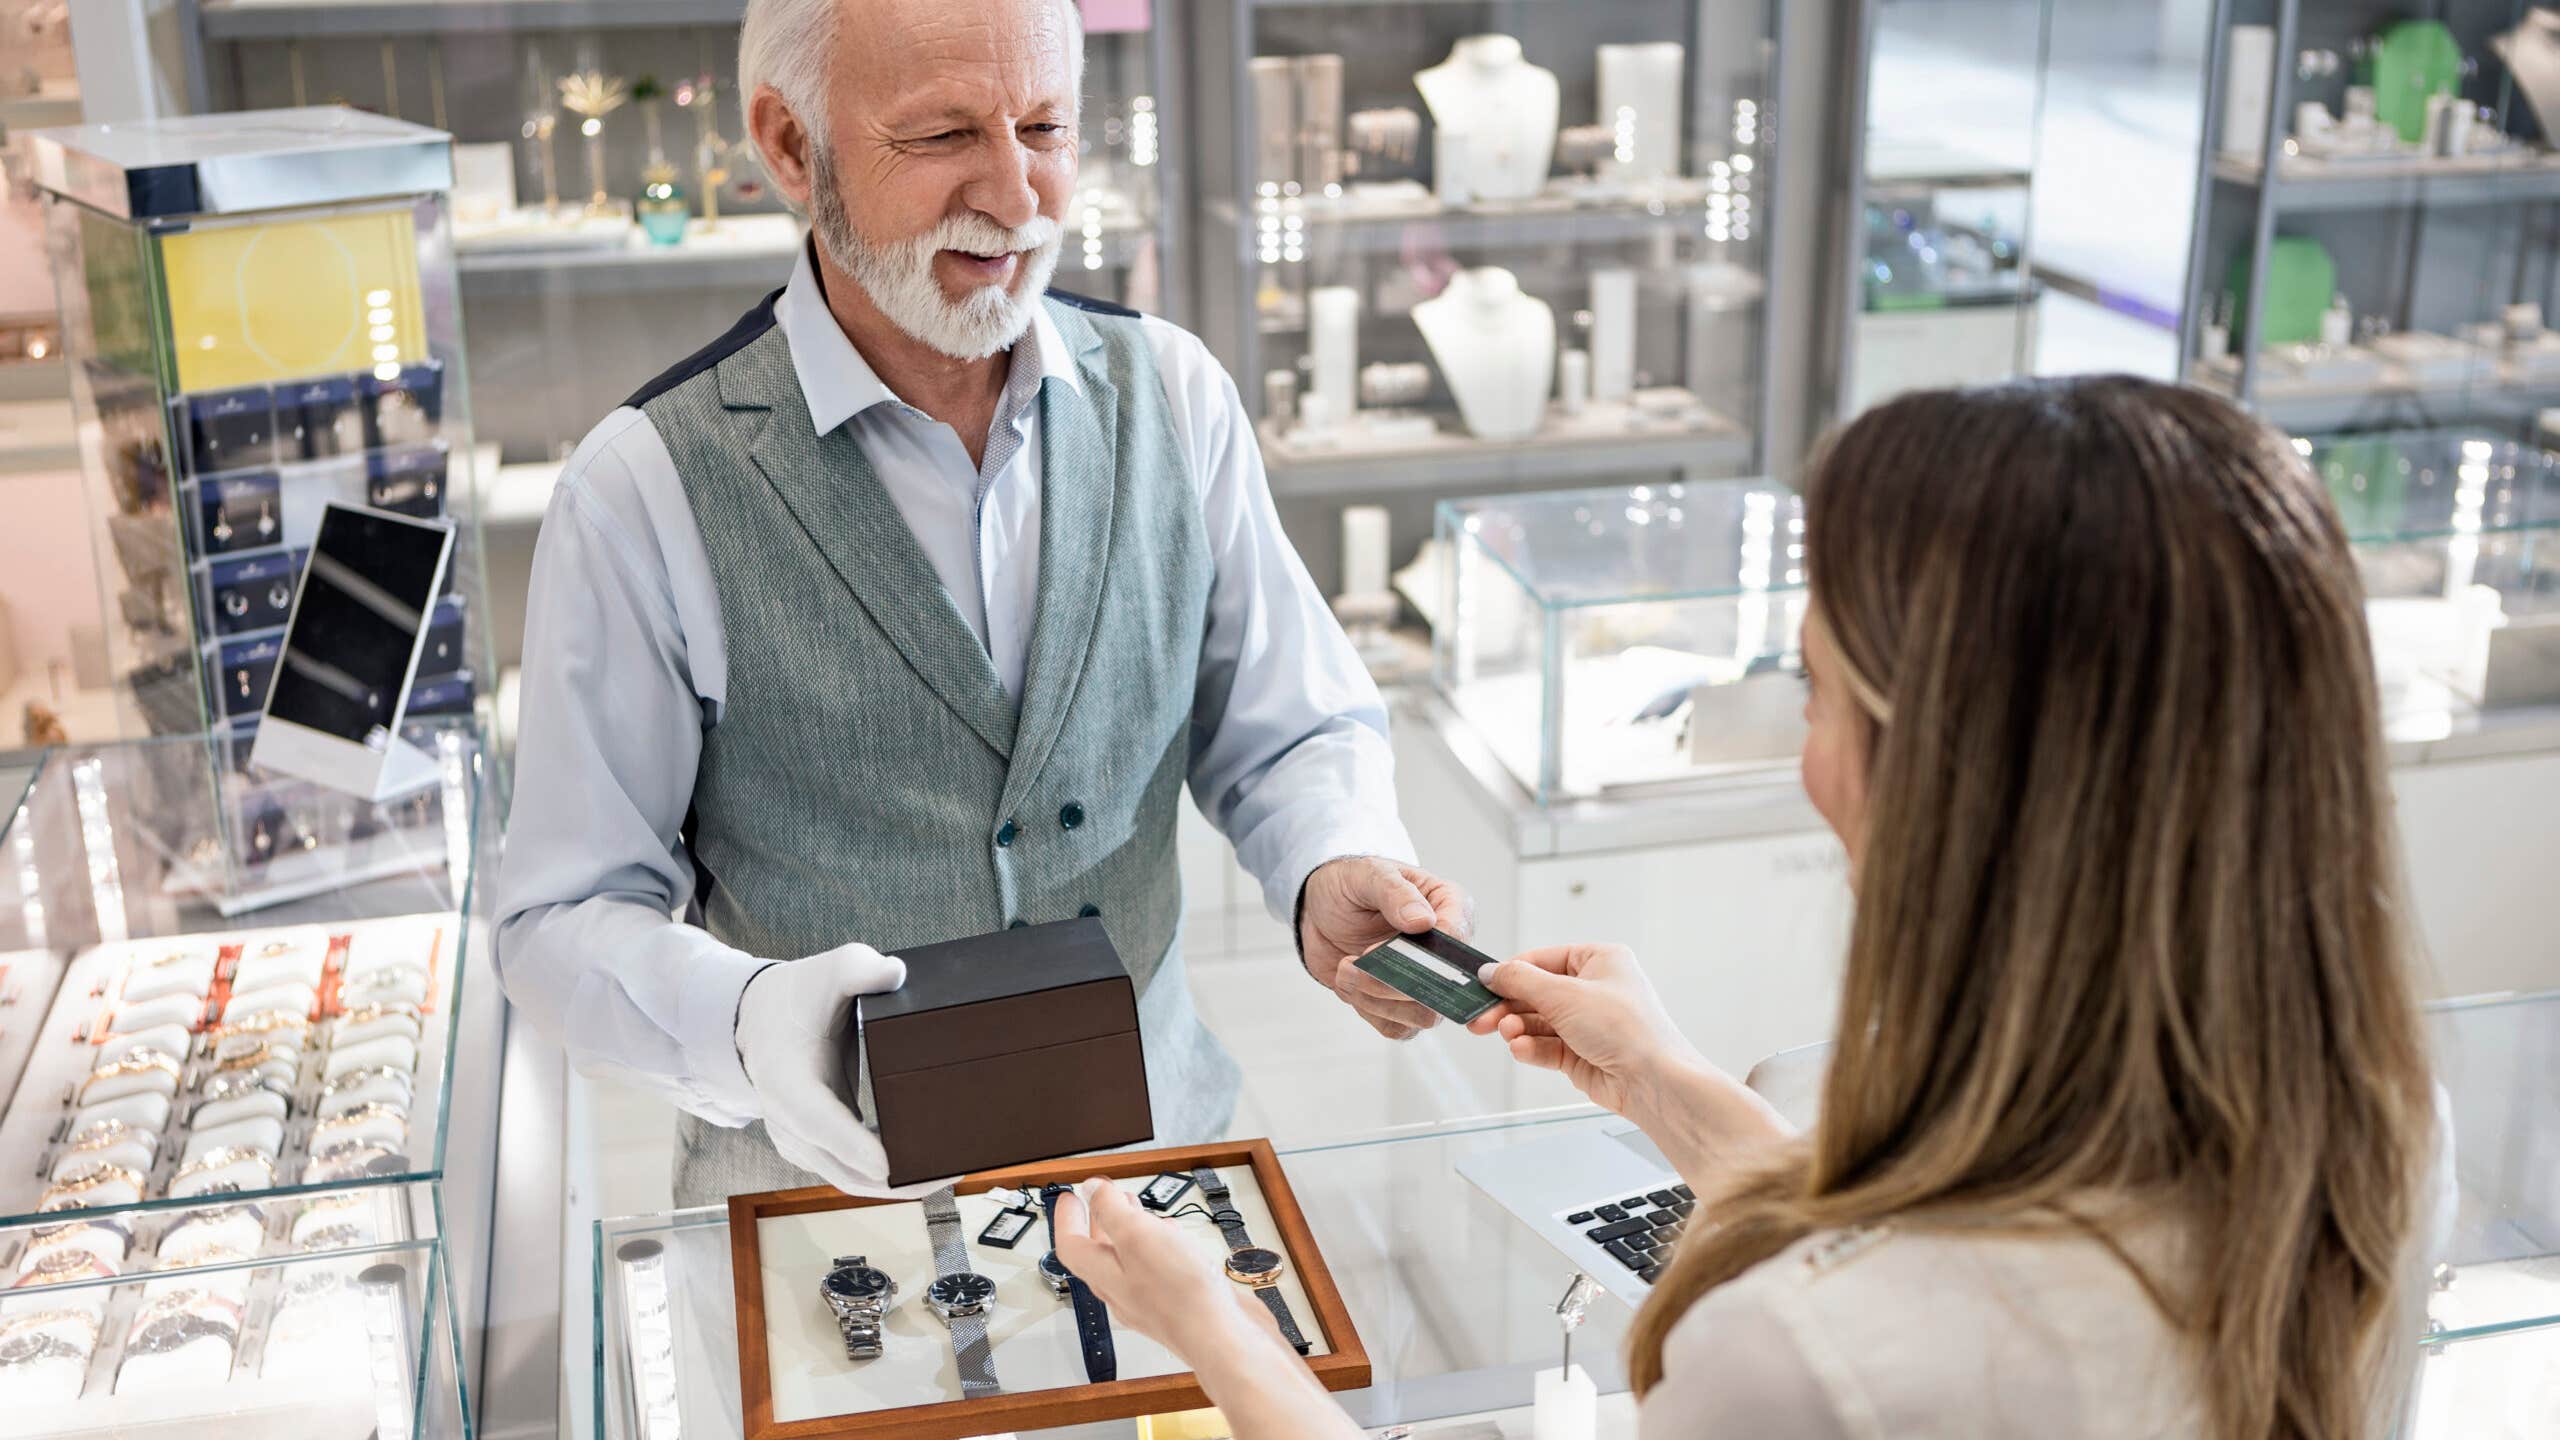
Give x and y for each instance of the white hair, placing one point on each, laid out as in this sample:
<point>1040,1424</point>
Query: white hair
<point>787,44</point>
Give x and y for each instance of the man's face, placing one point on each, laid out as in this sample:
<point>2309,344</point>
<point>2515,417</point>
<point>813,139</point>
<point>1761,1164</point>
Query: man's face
<point>951,159</point>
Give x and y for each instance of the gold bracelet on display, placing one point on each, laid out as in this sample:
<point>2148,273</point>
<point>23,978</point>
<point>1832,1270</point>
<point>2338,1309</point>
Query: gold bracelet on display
<point>222,1157</point>
<point>366,1076</point>
<point>133,1062</point>
<point>370,1110</point>
<point>377,1009</point>
<point>250,1059</point>
<point>102,1134</point>
<point>263,1022</point>
<point>233,1086</point>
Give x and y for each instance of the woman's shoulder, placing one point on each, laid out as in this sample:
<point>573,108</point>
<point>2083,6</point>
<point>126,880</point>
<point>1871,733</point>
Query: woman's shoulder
<point>1900,1329</point>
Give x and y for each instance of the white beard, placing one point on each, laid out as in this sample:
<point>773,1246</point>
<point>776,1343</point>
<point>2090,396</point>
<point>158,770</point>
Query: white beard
<point>899,277</point>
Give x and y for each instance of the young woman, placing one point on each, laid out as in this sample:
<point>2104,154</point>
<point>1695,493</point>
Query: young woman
<point>2128,1119</point>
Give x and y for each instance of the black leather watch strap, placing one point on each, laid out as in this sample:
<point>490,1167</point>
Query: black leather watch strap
<point>1093,1320</point>
<point>1231,1223</point>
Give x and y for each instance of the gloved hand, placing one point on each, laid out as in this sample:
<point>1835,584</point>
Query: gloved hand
<point>791,1023</point>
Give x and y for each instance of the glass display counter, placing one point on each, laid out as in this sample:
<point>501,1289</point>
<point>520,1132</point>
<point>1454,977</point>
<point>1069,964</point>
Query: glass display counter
<point>1604,641</point>
<point>1454,1297</point>
<point>1453,1300</point>
<point>233,1031</point>
<point>2452,530</point>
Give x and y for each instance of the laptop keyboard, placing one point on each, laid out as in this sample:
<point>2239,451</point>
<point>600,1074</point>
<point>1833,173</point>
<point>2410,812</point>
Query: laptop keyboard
<point>1639,1231</point>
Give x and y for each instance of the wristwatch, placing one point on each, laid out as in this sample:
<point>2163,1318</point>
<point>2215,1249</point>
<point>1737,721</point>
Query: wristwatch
<point>1248,1263</point>
<point>959,1296</point>
<point>861,1297</point>
<point>1093,1322</point>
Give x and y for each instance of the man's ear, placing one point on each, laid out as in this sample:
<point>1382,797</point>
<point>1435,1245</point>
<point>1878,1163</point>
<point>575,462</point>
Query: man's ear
<point>783,142</point>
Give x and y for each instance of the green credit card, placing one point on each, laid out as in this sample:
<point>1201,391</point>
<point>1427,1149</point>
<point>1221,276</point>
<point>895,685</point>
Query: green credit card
<point>1446,984</point>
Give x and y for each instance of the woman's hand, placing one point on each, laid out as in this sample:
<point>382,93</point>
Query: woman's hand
<point>1589,1012</point>
<point>1138,1265</point>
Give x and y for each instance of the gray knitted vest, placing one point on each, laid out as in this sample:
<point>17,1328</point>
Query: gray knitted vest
<point>869,778</point>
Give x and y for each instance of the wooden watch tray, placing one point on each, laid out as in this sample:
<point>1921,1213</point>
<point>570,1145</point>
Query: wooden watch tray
<point>1345,1366</point>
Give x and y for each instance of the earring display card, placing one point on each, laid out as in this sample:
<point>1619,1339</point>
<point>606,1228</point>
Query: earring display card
<point>248,668</point>
<point>407,482</point>
<point>404,409</point>
<point>443,653</point>
<point>444,695</point>
<point>796,1382</point>
<point>316,419</point>
<point>252,593</point>
<point>228,429</point>
<point>240,512</point>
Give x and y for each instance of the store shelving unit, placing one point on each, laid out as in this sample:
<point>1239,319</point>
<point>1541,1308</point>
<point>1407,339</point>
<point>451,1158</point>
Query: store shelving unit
<point>1939,281</point>
<point>2421,243</point>
<point>627,310</point>
<point>1694,234</point>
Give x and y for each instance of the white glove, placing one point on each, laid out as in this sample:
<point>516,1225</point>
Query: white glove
<point>791,1024</point>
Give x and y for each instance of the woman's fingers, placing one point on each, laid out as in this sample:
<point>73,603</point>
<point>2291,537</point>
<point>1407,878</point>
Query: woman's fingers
<point>1543,1051</point>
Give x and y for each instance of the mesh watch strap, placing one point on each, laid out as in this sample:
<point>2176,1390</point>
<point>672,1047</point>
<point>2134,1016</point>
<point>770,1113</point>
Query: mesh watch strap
<point>1231,1224</point>
<point>968,1332</point>
<point>1279,1309</point>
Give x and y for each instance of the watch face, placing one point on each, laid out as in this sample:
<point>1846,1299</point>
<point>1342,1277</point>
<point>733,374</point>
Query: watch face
<point>851,1283</point>
<point>1254,1264</point>
<point>964,1291</point>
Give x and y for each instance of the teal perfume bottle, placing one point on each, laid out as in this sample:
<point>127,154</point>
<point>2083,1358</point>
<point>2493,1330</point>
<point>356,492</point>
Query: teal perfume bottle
<point>663,211</point>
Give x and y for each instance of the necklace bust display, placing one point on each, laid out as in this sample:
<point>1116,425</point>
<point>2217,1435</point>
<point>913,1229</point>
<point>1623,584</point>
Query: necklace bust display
<point>1497,349</point>
<point>1506,110</point>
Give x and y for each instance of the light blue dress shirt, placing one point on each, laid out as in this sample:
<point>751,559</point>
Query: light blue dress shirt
<point>625,667</point>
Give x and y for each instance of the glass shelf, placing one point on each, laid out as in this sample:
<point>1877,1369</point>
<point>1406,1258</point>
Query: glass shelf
<point>351,1343</point>
<point>145,890</point>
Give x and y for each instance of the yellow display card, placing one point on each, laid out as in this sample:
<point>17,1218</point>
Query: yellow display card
<point>275,300</point>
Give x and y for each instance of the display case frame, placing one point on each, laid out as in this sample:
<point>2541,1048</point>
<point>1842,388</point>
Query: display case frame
<point>2424,279</point>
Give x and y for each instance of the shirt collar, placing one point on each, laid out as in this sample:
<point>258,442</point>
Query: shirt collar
<point>839,384</point>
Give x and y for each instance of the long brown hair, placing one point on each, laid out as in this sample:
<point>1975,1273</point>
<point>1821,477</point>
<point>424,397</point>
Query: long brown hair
<point>2128,920</point>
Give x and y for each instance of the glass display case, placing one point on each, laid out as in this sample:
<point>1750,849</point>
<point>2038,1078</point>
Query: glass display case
<point>1449,248</point>
<point>2454,533</point>
<point>260,318</point>
<point>270,1102</point>
<point>2389,264</point>
<point>1454,1301</point>
<point>1942,291</point>
<point>1604,641</point>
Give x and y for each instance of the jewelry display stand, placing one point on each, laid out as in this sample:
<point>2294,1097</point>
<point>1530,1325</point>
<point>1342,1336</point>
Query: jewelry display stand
<point>1497,349</point>
<point>1505,107</point>
<point>796,1380</point>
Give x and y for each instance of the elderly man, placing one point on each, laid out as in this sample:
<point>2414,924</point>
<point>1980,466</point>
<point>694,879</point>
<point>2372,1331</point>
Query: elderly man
<point>903,611</point>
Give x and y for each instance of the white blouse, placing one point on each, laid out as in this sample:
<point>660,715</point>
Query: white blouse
<point>1905,1332</point>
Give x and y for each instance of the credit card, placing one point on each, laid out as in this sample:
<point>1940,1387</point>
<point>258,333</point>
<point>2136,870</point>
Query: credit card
<point>1436,969</point>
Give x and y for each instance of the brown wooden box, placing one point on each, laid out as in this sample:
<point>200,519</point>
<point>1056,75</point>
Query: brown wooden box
<point>1344,1367</point>
<point>967,1056</point>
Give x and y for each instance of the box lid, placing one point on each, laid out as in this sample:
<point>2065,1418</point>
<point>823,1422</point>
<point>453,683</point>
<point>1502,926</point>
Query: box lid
<point>991,994</point>
<point>242,161</point>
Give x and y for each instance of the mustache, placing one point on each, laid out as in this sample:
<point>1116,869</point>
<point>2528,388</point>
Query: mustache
<point>977,235</point>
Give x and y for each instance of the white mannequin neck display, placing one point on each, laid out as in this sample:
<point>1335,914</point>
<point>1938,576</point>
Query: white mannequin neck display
<point>1505,107</point>
<point>2532,54</point>
<point>1497,349</point>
